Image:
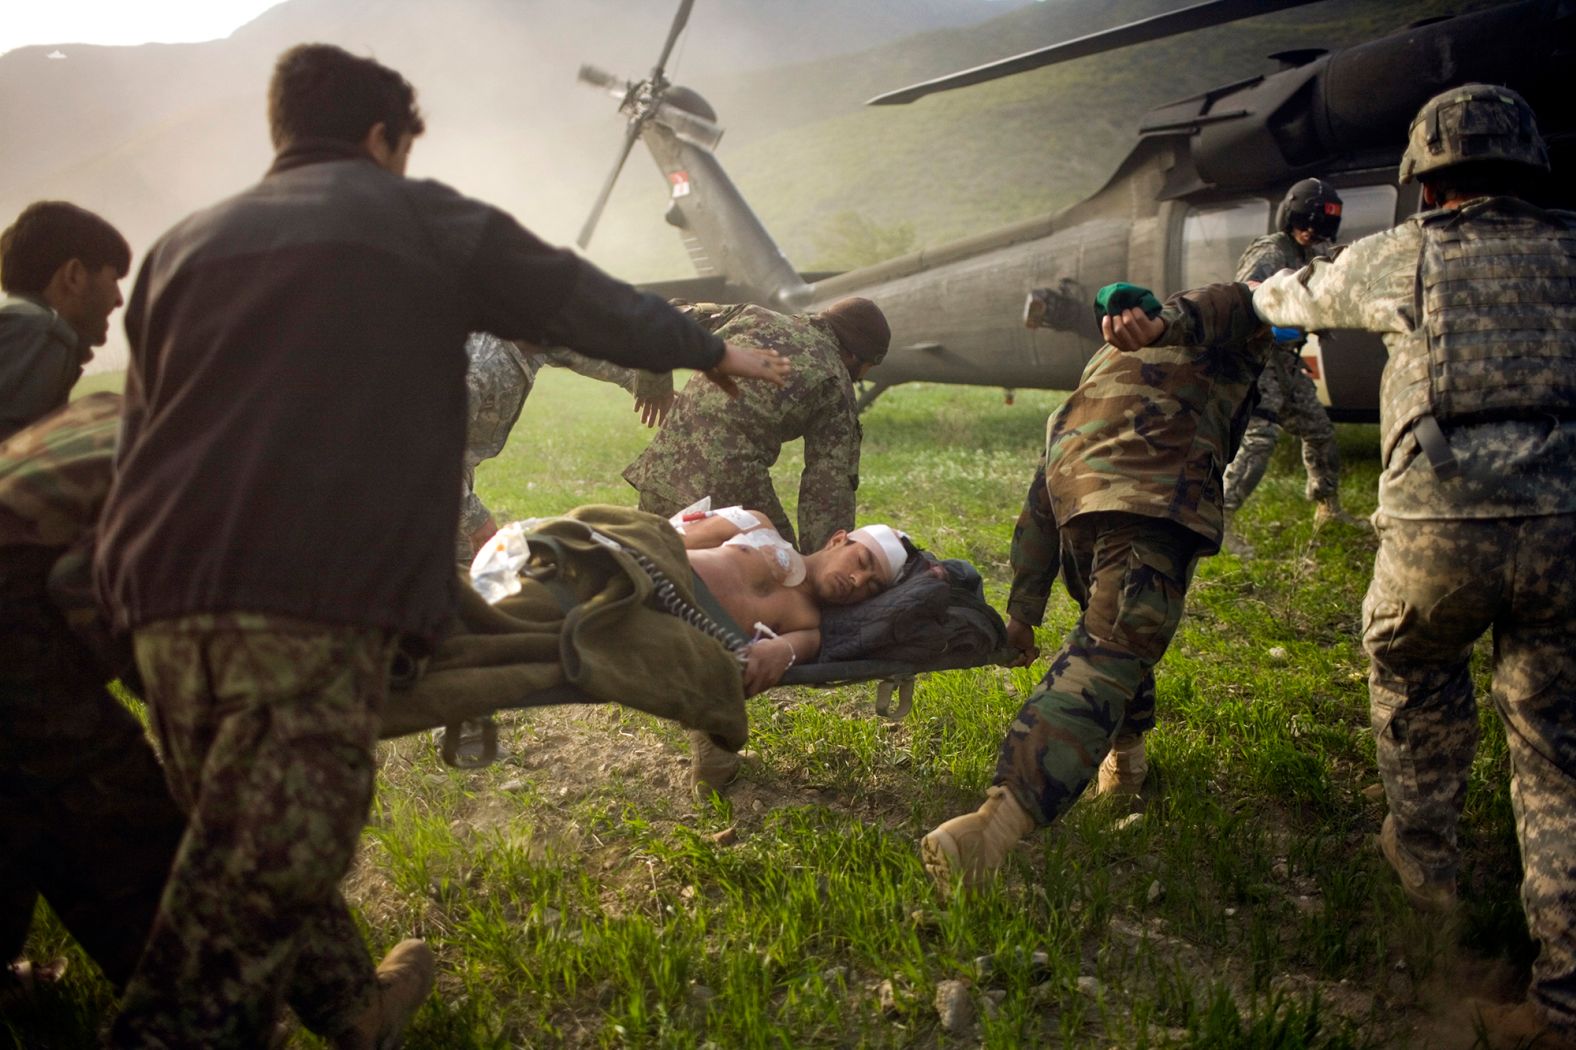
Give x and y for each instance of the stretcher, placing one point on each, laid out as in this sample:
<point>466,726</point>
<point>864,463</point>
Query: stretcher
<point>601,607</point>
<point>473,743</point>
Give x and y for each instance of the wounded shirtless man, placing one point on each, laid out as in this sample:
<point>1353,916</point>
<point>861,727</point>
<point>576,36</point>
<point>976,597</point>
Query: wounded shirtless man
<point>775,596</point>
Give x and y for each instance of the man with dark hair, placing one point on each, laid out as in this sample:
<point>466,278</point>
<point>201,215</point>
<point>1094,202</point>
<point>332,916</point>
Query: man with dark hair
<point>325,308</point>
<point>1477,510</point>
<point>60,269</point>
<point>712,447</point>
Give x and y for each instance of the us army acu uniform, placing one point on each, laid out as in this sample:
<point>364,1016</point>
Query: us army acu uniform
<point>1124,513</point>
<point>1288,399</point>
<point>724,448</point>
<point>1477,508</point>
<point>84,815</point>
<point>499,377</point>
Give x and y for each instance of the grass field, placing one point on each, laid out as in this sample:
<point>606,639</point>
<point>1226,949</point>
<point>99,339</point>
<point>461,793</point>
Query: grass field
<point>577,897</point>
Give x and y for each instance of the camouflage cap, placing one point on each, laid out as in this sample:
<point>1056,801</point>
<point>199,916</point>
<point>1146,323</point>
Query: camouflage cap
<point>861,327</point>
<point>1474,122</point>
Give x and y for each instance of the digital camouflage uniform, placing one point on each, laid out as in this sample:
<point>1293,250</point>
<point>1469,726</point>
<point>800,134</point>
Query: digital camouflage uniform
<point>1483,541</point>
<point>1288,399</point>
<point>724,448</point>
<point>498,379</point>
<point>1126,501</point>
<point>84,814</point>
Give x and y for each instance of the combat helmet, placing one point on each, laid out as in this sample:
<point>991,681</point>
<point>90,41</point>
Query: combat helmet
<point>1474,122</point>
<point>1311,204</point>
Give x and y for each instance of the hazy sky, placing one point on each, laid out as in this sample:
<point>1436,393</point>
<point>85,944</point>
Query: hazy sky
<point>123,21</point>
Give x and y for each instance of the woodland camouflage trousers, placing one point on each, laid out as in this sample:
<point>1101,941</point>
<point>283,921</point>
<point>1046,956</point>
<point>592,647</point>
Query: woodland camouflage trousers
<point>268,726</point>
<point>1288,401</point>
<point>1437,587</point>
<point>1129,574</point>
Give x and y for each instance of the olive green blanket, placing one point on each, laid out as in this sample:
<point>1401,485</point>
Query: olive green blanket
<point>613,643</point>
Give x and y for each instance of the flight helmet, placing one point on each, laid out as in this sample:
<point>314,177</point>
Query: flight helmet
<point>1311,204</point>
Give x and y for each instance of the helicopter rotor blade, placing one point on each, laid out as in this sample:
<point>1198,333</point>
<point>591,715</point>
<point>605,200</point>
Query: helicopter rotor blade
<point>631,133</point>
<point>1198,16</point>
<point>679,21</point>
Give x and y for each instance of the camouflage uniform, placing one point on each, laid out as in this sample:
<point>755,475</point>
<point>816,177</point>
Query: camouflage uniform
<point>1127,500</point>
<point>498,379</point>
<point>84,814</point>
<point>256,713</point>
<point>1287,397</point>
<point>715,446</point>
<point>1481,540</point>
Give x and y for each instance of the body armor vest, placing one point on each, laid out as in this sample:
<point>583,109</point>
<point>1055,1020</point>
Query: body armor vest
<point>1496,296</point>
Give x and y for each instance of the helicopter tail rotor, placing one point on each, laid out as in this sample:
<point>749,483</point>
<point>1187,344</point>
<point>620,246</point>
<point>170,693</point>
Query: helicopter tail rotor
<point>641,101</point>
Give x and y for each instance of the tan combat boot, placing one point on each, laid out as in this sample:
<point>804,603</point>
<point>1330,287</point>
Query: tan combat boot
<point>713,768</point>
<point>1328,510</point>
<point>974,845</point>
<point>1438,898</point>
<point>1124,767</point>
<point>1523,1026</point>
<point>405,979</point>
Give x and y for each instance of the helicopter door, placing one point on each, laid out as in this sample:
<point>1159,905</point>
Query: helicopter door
<point>1215,235</point>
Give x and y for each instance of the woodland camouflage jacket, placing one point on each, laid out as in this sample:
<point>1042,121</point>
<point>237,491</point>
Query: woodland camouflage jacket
<point>712,445</point>
<point>54,477</point>
<point>1150,432</point>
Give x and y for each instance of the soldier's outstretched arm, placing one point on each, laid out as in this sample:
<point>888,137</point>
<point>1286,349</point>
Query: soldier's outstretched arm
<point>1369,285</point>
<point>748,362</point>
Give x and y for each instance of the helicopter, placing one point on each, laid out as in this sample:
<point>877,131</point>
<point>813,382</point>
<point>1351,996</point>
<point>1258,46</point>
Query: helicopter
<point>1200,183</point>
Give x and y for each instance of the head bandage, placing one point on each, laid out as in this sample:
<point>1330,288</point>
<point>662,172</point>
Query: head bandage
<point>886,544</point>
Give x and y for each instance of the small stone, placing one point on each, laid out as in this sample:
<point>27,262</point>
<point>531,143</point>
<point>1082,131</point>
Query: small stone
<point>1039,964</point>
<point>1132,820</point>
<point>1374,792</point>
<point>1308,905</point>
<point>700,995</point>
<point>834,975</point>
<point>1156,891</point>
<point>984,965</point>
<point>886,997</point>
<point>512,785</point>
<point>756,805</point>
<point>954,1008</point>
<point>990,1003</point>
<point>1280,869</point>
<point>1089,986</point>
<point>1231,913</point>
<point>1400,966</point>
<point>1278,654</point>
<point>563,792</point>
<point>726,837</point>
<point>1043,992</point>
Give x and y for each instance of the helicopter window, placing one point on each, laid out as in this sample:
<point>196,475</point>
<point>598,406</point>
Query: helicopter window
<point>1365,210</point>
<point>1214,236</point>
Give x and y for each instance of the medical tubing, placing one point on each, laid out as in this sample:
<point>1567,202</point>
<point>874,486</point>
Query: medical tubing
<point>673,602</point>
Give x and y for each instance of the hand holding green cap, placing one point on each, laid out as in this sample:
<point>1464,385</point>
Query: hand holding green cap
<point>1114,298</point>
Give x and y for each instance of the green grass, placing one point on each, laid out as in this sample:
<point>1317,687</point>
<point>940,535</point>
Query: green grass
<point>590,905</point>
